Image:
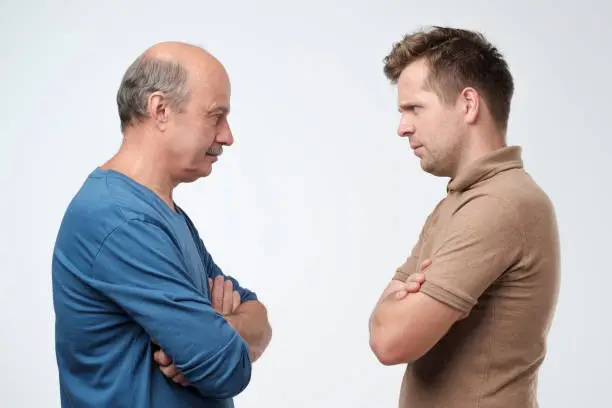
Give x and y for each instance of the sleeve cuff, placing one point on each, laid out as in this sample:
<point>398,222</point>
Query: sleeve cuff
<point>248,296</point>
<point>462,303</point>
<point>400,275</point>
<point>405,270</point>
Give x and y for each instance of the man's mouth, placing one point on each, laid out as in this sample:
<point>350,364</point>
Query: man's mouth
<point>215,151</point>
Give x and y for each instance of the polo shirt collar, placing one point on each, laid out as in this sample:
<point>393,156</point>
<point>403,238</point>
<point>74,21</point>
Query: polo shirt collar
<point>487,166</point>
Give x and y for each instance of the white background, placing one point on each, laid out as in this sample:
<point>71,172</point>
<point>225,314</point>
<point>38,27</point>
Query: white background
<point>318,200</point>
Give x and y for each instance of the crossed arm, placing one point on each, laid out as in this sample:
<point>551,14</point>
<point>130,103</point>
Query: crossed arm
<point>248,316</point>
<point>140,268</point>
<point>405,324</point>
<point>482,240</point>
<point>240,308</point>
<point>249,319</point>
<point>403,329</point>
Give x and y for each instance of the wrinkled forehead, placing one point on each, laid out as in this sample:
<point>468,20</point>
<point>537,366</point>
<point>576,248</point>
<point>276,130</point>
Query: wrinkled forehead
<point>413,78</point>
<point>210,89</point>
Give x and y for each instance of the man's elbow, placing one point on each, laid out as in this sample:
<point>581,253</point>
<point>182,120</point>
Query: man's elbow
<point>392,349</point>
<point>236,381</point>
<point>264,341</point>
<point>225,375</point>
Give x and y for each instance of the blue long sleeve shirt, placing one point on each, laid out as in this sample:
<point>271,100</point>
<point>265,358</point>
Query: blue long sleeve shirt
<point>128,270</point>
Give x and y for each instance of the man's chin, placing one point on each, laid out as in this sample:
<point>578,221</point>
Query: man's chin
<point>195,174</point>
<point>433,170</point>
<point>205,172</point>
<point>428,167</point>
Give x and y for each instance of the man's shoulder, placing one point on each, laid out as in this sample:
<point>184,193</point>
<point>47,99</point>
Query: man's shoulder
<point>513,193</point>
<point>516,211</point>
<point>104,203</point>
<point>484,216</point>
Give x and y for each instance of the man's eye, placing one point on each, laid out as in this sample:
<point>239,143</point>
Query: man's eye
<point>409,108</point>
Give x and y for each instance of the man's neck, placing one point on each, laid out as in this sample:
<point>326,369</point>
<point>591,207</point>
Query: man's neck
<point>143,164</point>
<point>480,145</point>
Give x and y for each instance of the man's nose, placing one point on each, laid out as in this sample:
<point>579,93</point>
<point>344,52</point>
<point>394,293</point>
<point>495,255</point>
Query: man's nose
<point>405,129</point>
<point>225,137</point>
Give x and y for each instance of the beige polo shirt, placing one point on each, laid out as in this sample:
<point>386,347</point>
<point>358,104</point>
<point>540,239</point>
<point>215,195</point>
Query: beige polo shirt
<point>494,245</point>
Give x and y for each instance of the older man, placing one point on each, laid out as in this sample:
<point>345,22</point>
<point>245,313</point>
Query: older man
<point>132,280</point>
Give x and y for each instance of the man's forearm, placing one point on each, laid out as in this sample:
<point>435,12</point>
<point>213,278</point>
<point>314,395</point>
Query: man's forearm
<point>382,310</point>
<point>250,320</point>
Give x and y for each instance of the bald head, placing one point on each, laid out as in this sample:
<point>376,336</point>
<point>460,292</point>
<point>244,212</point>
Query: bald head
<point>175,69</point>
<point>195,59</point>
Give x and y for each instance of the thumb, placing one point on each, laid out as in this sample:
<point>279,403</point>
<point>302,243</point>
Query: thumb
<point>400,294</point>
<point>162,358</point>
<point>235,300</point>
<point>425,264</point>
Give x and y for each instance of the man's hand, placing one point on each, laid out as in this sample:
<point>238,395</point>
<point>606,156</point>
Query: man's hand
<point>412,285</point>
<point>249,319</point>
<point>223,297</point>
<point>169,369</point>
<point>225,300</point>
<point>251,322</point>
<point>400,290</point>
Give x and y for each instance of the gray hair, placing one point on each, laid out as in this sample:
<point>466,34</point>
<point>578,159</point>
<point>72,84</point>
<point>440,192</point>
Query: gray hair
<point>145,76</point>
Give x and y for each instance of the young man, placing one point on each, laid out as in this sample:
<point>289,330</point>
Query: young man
<point>144,316</point>
<point>475,333</point>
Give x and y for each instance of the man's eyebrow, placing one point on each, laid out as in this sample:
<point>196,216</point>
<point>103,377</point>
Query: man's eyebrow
<point>407,105</point>
<point>219,109</point>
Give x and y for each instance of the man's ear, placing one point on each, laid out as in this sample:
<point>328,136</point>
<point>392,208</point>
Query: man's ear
<point>158,109</point>
<point>469,101</point>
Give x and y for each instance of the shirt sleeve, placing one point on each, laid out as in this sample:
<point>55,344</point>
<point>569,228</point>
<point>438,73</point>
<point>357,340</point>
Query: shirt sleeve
<point>212,267</point>
<point>409,266</point>
<point>482,240</point>
<point>141,269</point>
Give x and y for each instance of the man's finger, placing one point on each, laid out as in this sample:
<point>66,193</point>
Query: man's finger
<point>228,299</point>
<point>180,379</point>
<point>236,300</point>
<point>400,294</point>
<point>416,277</point>
<point>409,287</point>
<point>425,264</point>
<point>392,287</point>
<point>162,358</point>
<point>412,287</point>
<point>217,294</point>
<point>169,371</point>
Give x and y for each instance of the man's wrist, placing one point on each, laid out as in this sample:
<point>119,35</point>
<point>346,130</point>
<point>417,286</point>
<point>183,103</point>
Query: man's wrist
<point>234,320</point>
